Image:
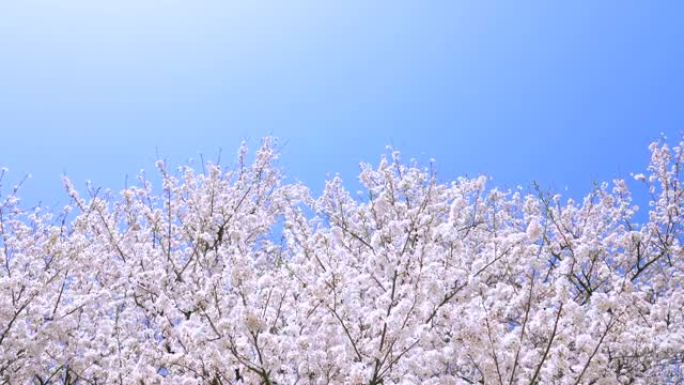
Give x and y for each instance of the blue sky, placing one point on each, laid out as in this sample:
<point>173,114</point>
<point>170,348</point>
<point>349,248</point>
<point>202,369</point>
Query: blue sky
<point>560,93</point>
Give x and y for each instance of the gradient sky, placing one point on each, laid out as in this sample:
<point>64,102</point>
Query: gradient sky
<point>565,94</point>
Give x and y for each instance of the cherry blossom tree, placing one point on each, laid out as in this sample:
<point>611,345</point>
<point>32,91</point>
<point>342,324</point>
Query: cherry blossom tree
<point>233,276</point>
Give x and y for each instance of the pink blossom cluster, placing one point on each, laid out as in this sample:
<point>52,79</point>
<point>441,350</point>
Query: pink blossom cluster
<point>236,277</point>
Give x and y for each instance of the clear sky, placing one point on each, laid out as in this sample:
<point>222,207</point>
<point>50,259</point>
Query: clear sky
<point>564,93</point>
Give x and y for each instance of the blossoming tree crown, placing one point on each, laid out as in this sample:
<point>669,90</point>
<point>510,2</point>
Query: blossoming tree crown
<point>236,277</point>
